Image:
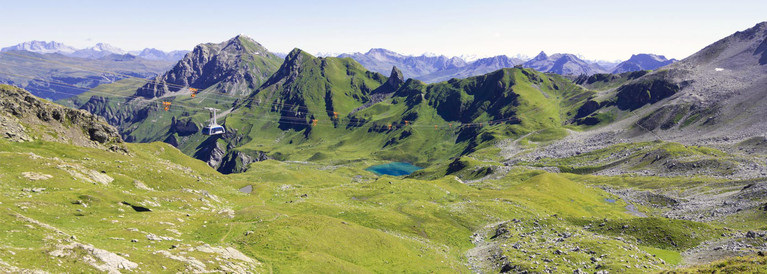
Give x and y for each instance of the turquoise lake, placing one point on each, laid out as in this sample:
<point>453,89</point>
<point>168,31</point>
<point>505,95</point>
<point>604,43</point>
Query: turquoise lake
<point>393,169</point>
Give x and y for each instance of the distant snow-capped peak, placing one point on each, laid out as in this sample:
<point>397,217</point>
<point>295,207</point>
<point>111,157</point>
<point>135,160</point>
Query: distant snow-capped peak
<point>42,47</point>
<point>104,47</point>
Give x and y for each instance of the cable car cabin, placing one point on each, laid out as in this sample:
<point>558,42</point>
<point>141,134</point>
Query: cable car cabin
<point>213,130</point>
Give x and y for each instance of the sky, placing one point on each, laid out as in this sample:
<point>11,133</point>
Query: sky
<point>596,29</point>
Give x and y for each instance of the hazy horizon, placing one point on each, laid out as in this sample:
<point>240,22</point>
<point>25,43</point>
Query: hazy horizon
<point>597,30</point>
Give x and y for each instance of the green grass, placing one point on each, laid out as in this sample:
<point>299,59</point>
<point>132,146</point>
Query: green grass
<point>299,217</point>
<point>654,156</point>
<point>671,257</point>
<point>669,234</point>
<point>749,264</point>
<point>316,209</point>
<point>547,135</point>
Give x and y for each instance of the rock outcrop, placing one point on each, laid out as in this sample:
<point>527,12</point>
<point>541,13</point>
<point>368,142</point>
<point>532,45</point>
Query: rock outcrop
<point>29,117</point>
<point>636,95</point>
<point>237,161</point>
<point>183,127</point>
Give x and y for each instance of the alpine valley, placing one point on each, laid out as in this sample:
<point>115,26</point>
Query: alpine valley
<point>547,165</point>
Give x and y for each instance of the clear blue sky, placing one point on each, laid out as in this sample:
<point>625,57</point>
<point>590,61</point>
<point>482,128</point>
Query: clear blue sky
<point>605,30</point>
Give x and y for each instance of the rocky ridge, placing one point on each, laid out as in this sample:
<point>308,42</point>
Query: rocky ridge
<point>25,118</point>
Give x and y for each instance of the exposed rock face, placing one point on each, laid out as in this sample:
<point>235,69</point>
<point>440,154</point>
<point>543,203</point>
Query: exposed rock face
<point>183,127</point>
<point>211,151</point>
<point>52,122</point>
<point>396,80</point>
<point>100,106</point>
<point>589,107</point>
<point>238,161</point>
<point>605,78</point>
<point>636,95</point>
<point>216,156</point>
<point>236,67</point>
<point>110,262</point>
<point>34,176</point>
<point>171,140</point>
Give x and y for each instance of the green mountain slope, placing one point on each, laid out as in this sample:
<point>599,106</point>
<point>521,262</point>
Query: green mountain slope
<point>333,110</point>
<point>151,208</point>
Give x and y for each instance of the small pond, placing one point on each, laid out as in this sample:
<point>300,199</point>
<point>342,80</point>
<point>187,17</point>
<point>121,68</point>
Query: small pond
<point>393,169</point>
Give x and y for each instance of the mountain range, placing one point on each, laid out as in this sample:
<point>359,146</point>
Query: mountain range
<point>522,169</point>
<point>382,60</point>
<point>304,88</point>
<point>95,52</point>
<point>56,76</point>
<point>436,68</point>
<point>56,71</point>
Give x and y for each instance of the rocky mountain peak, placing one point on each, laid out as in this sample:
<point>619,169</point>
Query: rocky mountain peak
<point>242,43</point>
<point>295,55</point>
<point>108,48</point>
<point>540,57</point>
<point>381,51</point>
<point>642,61</point>
<point>236,66</point>
<point>396,79</point>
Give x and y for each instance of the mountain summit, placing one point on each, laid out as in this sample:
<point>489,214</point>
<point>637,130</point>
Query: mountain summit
<point>98,51</point>
<point>642,61</point>
<point>237,66</point>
